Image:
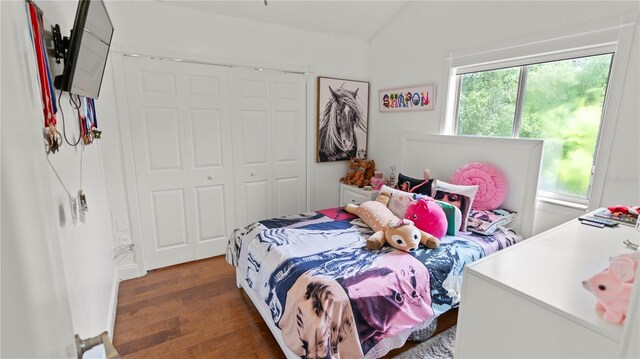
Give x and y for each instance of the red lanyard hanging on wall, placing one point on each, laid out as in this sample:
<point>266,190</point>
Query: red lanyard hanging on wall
<point>43,76</point>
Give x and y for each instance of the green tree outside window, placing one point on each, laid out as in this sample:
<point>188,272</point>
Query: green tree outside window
<point>562,104</point>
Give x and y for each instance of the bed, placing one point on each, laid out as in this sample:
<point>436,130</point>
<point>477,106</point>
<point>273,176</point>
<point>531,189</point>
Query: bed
<point>323,294</point>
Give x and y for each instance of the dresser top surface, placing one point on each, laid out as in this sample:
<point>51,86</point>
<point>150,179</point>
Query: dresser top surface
<point>549,269</point>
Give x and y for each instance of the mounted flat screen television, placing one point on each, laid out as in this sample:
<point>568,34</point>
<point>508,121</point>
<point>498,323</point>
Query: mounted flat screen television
<point>86,55</point>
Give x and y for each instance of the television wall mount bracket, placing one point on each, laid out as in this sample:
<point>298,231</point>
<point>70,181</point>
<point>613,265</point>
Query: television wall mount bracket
<point>60,44</point>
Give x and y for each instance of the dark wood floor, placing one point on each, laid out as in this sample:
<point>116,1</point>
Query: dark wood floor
<point>195,310</point>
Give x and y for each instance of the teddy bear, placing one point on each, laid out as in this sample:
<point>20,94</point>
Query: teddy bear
<point>399,233</point>
<point>612,287</point>
<point>369,171</point>
<point>364,172</point>
<point>353,166</point>
<point>428,216</point>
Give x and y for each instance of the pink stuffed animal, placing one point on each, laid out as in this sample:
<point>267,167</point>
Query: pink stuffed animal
<point>613,287</point>
<point>428,216</point>
<point>624,266</point>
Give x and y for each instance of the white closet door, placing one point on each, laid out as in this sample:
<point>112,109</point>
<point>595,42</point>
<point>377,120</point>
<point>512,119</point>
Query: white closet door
<point>289,141</point>
<point>269,143</point>
<point>181,130</point>
<point>252,150</point>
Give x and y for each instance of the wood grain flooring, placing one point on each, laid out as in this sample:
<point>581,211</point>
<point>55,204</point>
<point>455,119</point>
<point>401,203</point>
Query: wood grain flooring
<point>195,310</point>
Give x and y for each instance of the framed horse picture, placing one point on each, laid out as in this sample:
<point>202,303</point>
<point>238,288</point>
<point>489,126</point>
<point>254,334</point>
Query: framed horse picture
<point>343,117</point>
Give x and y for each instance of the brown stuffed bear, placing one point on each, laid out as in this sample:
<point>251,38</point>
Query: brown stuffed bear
<point>368,173</point>
<point>400,234</point>
<point>364,172</point>
<point>353,166</point>
<point>360,172</point>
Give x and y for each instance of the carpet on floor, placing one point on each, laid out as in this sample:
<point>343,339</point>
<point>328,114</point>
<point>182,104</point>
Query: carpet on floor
<point>439,347</point>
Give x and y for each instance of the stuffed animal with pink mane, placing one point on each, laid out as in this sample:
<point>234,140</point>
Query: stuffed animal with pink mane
<point>428,216</point>
<point>612,287</point>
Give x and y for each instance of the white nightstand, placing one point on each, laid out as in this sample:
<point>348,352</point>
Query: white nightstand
<point>355,195</point>
<point>528,300</point>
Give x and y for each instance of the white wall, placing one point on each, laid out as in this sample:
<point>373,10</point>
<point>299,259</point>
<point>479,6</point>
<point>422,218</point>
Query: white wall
<point>413,49</point>
<point>172,30</point>
<point>85,249</point>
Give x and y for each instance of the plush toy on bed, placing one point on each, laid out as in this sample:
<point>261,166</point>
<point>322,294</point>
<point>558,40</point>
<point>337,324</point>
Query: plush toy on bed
<point>399,233</point>
<point>428,216</point>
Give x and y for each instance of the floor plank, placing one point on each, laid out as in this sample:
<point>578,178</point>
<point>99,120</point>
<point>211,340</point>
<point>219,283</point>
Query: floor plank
<point>195,310</point>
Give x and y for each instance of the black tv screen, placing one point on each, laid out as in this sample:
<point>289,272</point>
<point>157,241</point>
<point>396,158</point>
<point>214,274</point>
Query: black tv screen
<point>88,50</point>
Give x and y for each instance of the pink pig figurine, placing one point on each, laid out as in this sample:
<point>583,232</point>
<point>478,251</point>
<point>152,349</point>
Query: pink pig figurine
<point>612,288</point>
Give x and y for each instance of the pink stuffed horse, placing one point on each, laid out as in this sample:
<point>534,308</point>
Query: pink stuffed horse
<point>613,287</point>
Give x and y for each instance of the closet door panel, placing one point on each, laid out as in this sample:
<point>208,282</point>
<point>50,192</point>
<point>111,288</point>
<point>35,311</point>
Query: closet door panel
<point>251,119</point>
<point>159,156</point>
<point>205,90</point>
<point>169,219</point>
<point>289,143</point>
<point>211,220</point>
<point>182,153</point>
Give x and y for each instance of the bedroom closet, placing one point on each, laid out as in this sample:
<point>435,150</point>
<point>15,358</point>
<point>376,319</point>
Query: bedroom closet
<point>215,148</point>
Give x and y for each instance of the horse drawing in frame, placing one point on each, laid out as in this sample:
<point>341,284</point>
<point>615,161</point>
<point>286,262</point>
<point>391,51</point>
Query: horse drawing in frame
<point>338,122</point>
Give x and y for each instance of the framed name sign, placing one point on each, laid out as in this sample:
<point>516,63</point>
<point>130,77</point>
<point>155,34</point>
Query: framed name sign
<point>412,98</point>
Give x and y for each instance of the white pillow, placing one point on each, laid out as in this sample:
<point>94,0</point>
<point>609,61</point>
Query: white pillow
<point>399,201</point>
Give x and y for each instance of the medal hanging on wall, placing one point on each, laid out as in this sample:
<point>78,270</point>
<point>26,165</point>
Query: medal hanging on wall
<point>91,109</point>
<point>88,121</point>
<point>81,199</point>
<point>53,139</point>
<point>84,122</point>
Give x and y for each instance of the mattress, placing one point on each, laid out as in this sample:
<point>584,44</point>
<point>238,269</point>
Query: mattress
<point>330,296</point>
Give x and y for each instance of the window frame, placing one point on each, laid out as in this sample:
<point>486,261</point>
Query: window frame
<point>611,35</point>
<point>557,197</point>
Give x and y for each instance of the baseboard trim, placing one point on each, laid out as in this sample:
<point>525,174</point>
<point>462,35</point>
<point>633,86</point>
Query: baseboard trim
<point>128,271</point>
<point>113,305</point>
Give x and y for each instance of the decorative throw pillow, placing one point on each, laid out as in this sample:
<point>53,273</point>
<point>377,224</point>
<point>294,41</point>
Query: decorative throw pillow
<point>491,182</point>
<point>488,221</point>
<point>459,196</point>
<point>399,201</point>
<point>454,217</point>
<point>414,185</point>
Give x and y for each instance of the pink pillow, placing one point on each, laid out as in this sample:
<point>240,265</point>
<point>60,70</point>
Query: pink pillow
<point>492,184</point>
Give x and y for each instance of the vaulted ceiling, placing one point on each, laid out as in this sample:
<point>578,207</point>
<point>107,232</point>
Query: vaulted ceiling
<point>352,19</point>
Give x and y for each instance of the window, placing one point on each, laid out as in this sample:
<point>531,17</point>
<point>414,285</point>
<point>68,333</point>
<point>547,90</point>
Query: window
<point>537,87</point>
<point>558,101</point>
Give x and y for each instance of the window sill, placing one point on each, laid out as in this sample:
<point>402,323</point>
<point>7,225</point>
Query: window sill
<point>566,204</point>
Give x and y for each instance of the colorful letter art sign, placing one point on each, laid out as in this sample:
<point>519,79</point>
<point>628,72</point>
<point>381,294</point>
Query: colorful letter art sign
<point>416,98</point>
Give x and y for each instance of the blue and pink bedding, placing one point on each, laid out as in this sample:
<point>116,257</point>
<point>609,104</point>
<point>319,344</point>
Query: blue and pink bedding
<point>332,297</point>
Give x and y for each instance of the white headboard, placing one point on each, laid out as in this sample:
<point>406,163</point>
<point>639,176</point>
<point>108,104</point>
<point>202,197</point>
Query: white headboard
<point>518,159</point>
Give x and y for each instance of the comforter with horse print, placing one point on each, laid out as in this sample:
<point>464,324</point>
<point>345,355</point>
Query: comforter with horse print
<point>331,297</point>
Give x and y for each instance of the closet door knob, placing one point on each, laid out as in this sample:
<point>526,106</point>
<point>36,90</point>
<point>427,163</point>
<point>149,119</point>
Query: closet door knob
<point>209,177</point>
<point>253,173</point>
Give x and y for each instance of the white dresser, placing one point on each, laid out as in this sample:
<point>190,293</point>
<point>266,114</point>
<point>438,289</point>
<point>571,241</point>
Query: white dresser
<point>355,195</point>
<point>528,300</point>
